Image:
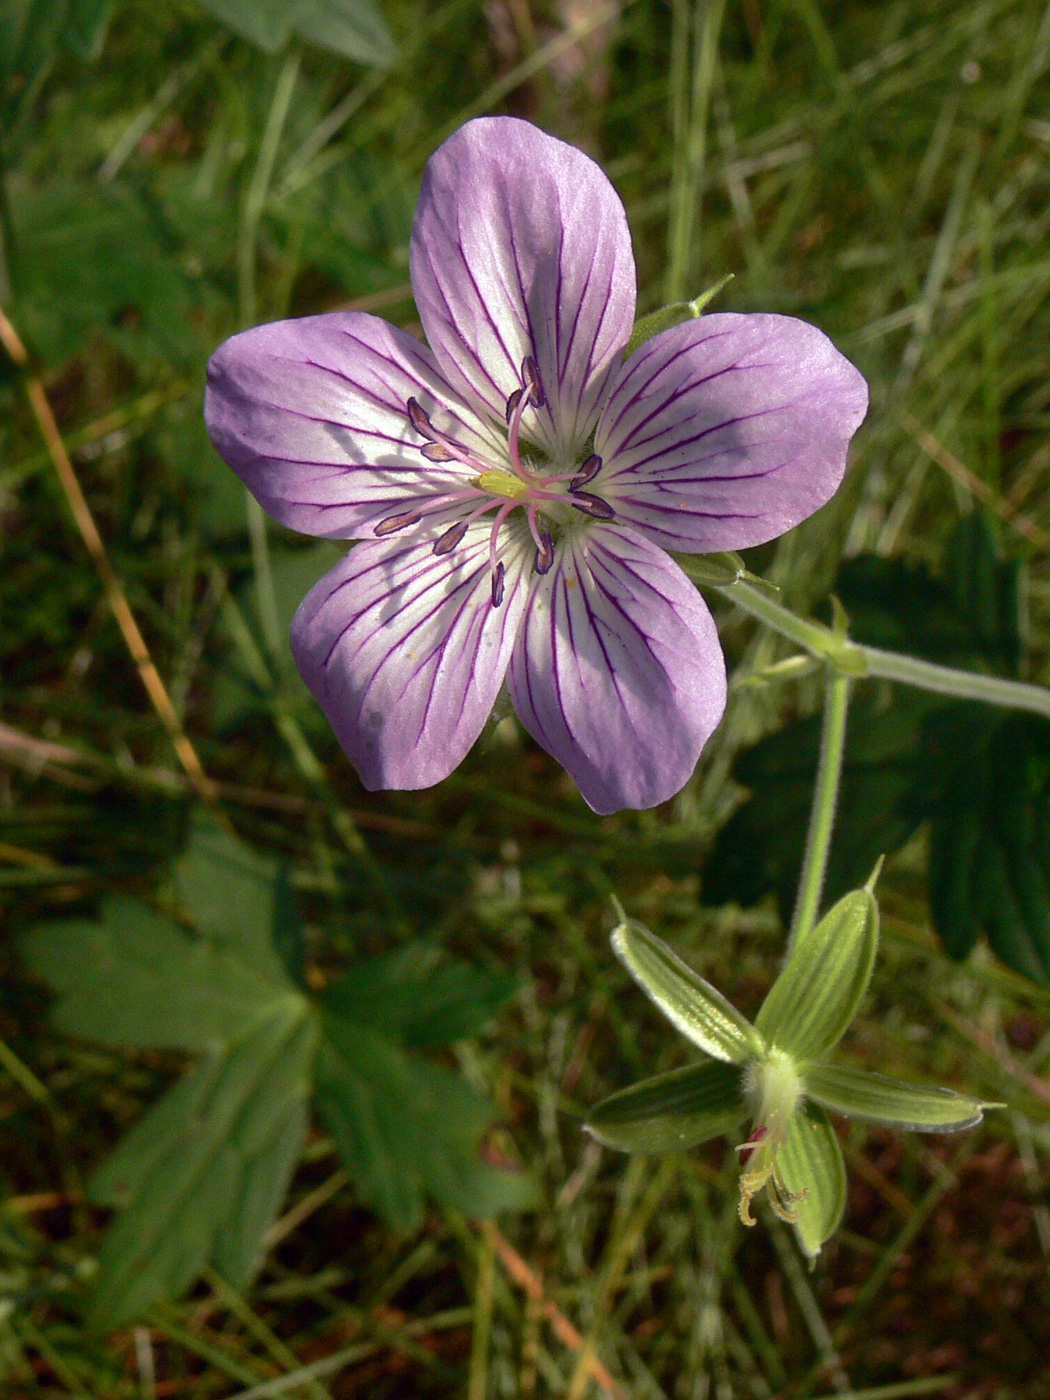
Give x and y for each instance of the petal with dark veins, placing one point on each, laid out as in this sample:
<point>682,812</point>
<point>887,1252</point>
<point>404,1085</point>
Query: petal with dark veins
<point>727,430</point>
<point>405,653</point>
<point>520,247</point>
<point>312,415</point>
<point>618,671</point>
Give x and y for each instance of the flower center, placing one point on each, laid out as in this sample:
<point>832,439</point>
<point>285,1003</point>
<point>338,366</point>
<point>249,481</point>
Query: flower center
<point>774,1085</point>
<point>541,495</point>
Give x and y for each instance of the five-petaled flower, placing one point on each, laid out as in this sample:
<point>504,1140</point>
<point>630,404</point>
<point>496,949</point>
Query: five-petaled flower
<point>515,485</point>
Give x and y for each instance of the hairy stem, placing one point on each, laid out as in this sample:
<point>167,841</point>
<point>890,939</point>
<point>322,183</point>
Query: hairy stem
<point>822,813</point>
<point>855,659</point>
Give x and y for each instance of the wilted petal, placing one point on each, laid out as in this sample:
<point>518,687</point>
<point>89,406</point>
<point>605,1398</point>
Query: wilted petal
<point>520,247</point>
<point>312,415</point>
<point>406,654</point>
<point>727,430</point>
<point>618,672</point>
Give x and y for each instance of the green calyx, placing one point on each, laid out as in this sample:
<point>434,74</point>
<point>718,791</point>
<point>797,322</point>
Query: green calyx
<point>772,1073</point>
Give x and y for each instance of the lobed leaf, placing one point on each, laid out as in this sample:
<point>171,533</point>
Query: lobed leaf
<point>135,977</point>
<point>861,1094</point>
<point>406,1128</point>
<point>406,996</point>
<point>672,1112</point>
<point>203,1174</point>
<point>228,892</point>
<point>810,1161</point>
<point>824,979</point>
<point>353,28</point>
<point>693,1006</point>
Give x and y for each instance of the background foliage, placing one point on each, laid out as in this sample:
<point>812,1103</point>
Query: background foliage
<point>429,972</point>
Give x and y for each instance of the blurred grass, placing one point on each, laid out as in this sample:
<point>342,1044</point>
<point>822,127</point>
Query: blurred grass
<point>882,169</point>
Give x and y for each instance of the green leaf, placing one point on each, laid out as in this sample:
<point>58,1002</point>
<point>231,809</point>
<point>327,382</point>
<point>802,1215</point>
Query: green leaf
<point>203,1174</point>
<point>810,1160</point>
<point>137,978</point>
<point>216,497</point>
<point>407,1129</point>
<point>860,1094</point>
<point>672,315</point>
<point>672,1112</point>
<point>228,892</point>
<point>93,260</point>
<point>267,23</point>
<point>990,836</point>
<point>981,778</point>
<point>87,22</point>
<point>406,996</point>
<point>821,985</point>
<point>760,847</point>
<point>353,28</point>
<point>693,1006</point>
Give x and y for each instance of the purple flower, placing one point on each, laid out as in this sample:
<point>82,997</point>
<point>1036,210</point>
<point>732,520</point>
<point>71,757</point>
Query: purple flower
<point>516,485</point>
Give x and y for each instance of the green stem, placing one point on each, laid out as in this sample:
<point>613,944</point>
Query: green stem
<point>259,188</point>
<point>822,814</point>
<point>855,659</point>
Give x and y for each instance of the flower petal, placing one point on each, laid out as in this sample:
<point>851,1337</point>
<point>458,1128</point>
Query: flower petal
<point>521,247</point>
<point>406,654</point>
<point>312,415</point>
<point>727,430</point>
<point>618,672</point>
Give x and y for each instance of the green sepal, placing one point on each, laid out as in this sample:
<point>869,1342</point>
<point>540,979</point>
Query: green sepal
<point>716,570</point>
<point>820,988</point>
<point>857,1093</point>
<point>810,1161</point>
<point>693,1006</point>
<point>672,315</point>
<point>672,1112</point>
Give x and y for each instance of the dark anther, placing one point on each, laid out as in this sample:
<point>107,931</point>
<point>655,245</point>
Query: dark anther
<point>593,505</point>
<point>545,553</point>
<point>513,402</point>
<point>437,452</point>
<point>588,471</point>
<point>497,586</point>
<point>393,523</point>
<point>421,420</point>
<point>448,541</point>
<point>530,372</point>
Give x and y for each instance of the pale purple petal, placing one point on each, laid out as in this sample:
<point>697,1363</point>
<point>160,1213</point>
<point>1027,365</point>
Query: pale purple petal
<point>312,416</point>
<point>406,655</point>
<point>618,671</point>
<point>520,247</point>
<point>727,430</point>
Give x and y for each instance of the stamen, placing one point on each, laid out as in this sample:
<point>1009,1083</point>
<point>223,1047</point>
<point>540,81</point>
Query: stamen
<point>545,553</point>
<point>437,452</point>
<point>516,403</point>
<point>497,585</point>
<point>588,471</point>
<point>421,420</point>
<point>448,541</point>
<point>593,505</point>
<point>393,523</point>
<point>747,1148</point>
<point>530,373</point>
